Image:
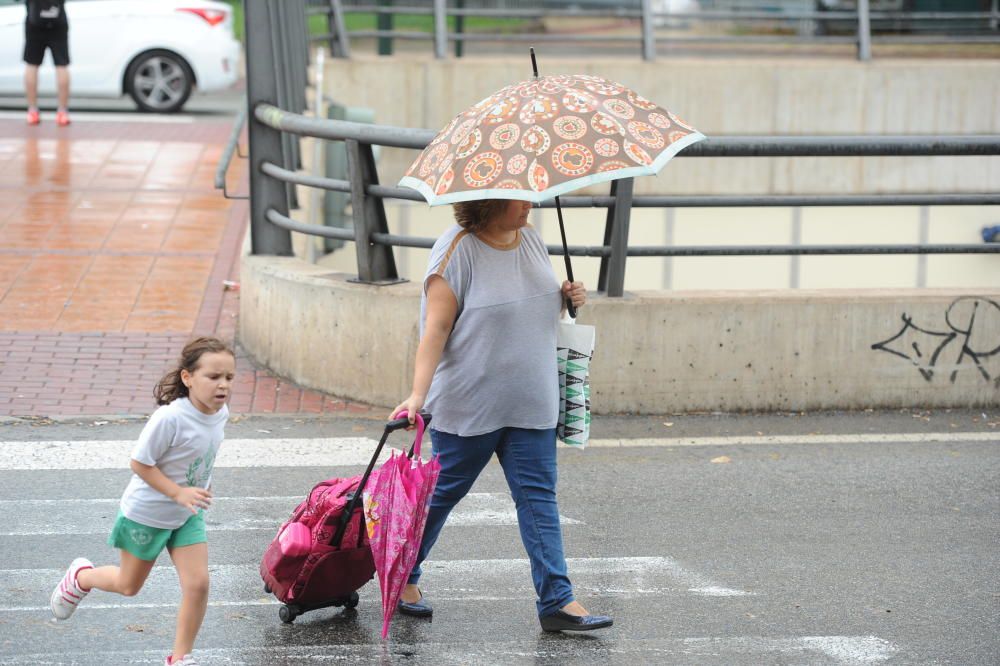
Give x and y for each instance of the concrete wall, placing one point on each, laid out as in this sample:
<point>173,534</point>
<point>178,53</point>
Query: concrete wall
<point>726,96</point>
<point>657,351</point>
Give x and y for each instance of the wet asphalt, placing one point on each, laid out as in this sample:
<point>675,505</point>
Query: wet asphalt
<point>793,553</point>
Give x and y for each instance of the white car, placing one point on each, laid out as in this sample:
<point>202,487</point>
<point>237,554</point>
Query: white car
<point>156,51</point>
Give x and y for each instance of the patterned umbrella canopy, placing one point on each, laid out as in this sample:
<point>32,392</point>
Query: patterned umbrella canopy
<point>547,136</point>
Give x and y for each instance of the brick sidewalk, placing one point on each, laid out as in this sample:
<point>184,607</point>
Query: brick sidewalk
<point>114,250</point>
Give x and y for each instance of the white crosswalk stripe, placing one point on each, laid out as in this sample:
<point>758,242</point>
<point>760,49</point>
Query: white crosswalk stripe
<point>227,514</point>
<point>353,451</point>
<point>452,580</point>
<point>802,651</point>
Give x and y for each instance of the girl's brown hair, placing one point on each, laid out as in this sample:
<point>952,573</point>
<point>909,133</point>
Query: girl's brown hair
<point>171,386</point>
<point>473,216</point>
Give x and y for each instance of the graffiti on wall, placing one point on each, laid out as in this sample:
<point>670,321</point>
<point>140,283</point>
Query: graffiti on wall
<point>970,344</point>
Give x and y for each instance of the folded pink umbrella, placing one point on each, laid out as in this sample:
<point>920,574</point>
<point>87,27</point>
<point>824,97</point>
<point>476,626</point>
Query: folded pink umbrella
<point>396,500</point>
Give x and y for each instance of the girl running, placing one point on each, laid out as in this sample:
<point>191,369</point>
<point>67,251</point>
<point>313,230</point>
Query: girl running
<point>163,504</point>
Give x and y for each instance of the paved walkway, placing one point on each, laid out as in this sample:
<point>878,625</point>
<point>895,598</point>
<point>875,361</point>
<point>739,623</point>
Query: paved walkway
<point>114,250</point>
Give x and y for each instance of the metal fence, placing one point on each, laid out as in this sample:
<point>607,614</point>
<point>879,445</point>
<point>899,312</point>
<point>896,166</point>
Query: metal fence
<point>275,122</point>
<point>809,22</point>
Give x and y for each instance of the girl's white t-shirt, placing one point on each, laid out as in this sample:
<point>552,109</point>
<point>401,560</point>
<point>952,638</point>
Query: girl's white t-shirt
<point>183,443</point>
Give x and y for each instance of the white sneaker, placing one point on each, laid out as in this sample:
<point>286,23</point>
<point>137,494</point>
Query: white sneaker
<point>68,594</point>
<point>188,660</point>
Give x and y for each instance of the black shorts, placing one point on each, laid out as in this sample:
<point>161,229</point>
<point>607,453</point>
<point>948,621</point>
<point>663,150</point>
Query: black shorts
<point>36,40</point>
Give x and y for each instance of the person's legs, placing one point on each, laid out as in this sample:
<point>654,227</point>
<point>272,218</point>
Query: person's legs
<point>192,570</point>
<point>126,579</point>
<point>59,45</point>
<point>528,458</point>
<point>462,459</point>
<point>62,83</point>
<point>34,53</point>
<point>31,86</point>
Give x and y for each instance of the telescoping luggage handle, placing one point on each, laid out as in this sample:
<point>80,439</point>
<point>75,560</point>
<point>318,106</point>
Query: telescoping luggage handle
<point>400,420</point>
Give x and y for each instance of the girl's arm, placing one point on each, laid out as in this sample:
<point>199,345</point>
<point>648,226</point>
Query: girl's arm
<point>190,497</point>
<point>442,308</point>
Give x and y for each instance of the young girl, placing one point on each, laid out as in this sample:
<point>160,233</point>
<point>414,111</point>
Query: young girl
<point>162,505</point>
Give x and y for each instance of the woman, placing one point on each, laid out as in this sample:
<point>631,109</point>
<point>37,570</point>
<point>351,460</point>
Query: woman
<point>486,369</point>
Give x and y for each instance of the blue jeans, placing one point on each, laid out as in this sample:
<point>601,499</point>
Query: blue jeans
<point>528,458</point>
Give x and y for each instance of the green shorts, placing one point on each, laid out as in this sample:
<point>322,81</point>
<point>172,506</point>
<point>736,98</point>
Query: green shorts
<point>147,543</point>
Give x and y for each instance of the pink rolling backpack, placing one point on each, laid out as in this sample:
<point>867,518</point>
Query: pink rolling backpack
<point>320,556</point>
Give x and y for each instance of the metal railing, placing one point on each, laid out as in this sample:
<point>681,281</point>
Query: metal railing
<point>231,149</point>
<point>643,15</point>
<point>274,129</point>
<point>374,242</point>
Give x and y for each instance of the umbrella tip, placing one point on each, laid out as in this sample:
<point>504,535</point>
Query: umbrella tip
<point>534,63</point>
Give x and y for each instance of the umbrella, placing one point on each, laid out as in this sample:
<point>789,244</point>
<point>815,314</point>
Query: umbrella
<point>546,136</point>
<point>396,501</point>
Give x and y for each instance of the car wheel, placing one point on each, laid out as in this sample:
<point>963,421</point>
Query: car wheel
<point>159,81</point>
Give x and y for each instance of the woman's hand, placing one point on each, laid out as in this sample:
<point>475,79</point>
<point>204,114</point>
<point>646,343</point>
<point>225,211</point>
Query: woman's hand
<point>193,498</point>
<point>575,292</point>
<point>411,405</point>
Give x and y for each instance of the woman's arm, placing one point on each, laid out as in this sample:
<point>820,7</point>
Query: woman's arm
<point>190,497</point>
<point>442,308</point>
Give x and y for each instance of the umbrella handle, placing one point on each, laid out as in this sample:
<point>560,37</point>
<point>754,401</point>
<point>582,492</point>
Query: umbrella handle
<point>415,449</point>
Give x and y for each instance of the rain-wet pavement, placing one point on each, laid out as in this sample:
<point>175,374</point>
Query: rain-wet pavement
<point>853,539</point>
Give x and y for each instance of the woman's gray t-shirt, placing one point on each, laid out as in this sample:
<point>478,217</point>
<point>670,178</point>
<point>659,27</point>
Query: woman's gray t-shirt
<point>498,368</point>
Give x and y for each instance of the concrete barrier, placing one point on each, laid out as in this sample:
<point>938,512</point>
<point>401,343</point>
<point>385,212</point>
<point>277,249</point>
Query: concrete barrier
<point>657,352</point>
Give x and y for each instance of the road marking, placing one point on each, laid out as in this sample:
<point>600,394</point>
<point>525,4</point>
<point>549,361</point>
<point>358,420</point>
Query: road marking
<point>357,451</point>
<point>47,517</point>
<point>101,117</point>
<point>841,650</point>
<point>452,580</point>
<point>114,454</point>
<point>867,438</point>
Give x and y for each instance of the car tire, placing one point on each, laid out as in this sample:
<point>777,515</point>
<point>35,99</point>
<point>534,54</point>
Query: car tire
<point>159,81</point>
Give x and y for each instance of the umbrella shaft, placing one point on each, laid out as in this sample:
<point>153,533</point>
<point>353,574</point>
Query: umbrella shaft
<point>569,266</point>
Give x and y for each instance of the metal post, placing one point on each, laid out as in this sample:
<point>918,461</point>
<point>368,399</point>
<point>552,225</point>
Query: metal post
<point>459,27</point>
<point>290,157</point>
<point>297,55</point>
<point>384,22</point>
<point>864,32</point>
<point>375,262</point>
<point>440,29</point>
<point>265,143</point>
<point>609,224</point>
<point>339,42</point>
<point>648,38</point>
<point>611,278</point>
<point>302,30</point>
<point>318,161</point>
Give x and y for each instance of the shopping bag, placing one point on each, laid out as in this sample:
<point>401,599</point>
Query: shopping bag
<point>574,351</point>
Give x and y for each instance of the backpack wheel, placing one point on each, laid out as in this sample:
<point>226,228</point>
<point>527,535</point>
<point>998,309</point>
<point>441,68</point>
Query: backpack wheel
<point>267,589</point>
<point>287,614</point>
<point>352,601</point>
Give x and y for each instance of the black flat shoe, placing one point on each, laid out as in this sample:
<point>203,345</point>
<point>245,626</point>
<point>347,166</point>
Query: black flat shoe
<point>419,609</point>
<point>560,621</point>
